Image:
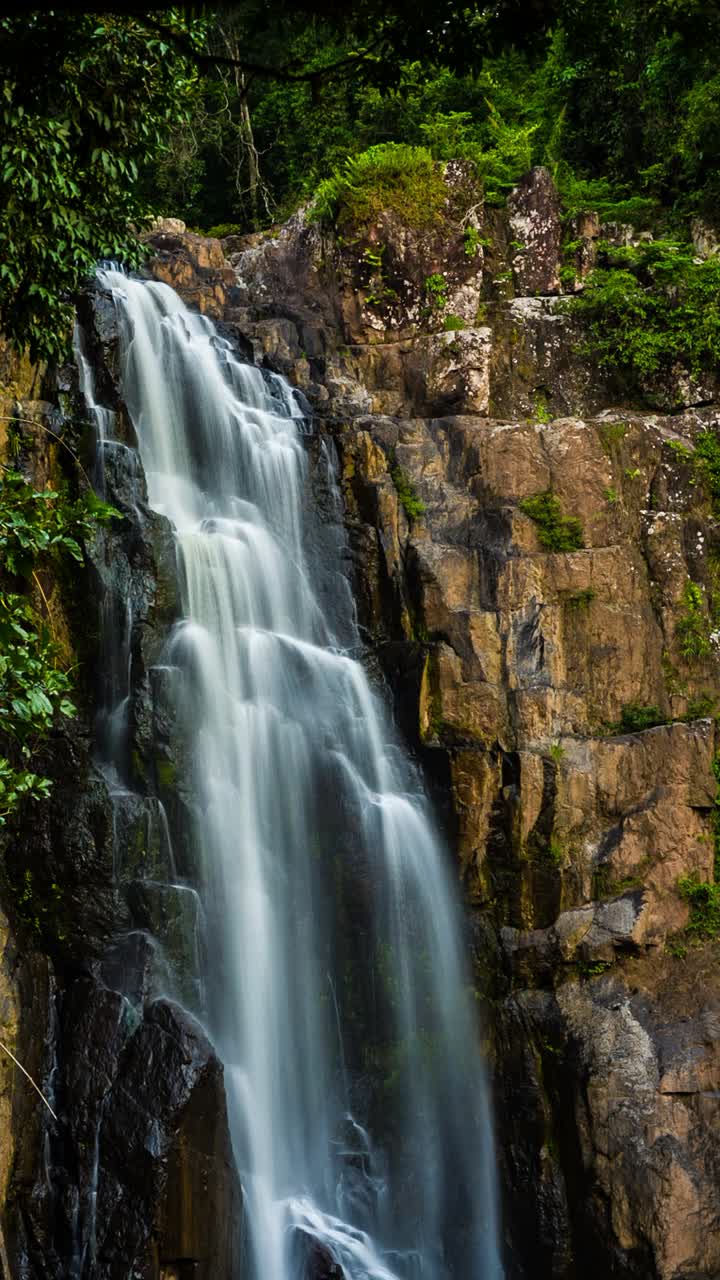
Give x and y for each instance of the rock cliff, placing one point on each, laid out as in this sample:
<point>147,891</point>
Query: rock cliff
<point>534,560</point>
<point>551,667</point>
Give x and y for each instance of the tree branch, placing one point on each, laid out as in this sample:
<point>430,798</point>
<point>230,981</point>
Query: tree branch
<point>209,61</point>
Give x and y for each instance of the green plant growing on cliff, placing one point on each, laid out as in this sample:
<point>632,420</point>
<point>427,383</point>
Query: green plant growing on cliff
<point>635,717</point>
<point>37,529</point>
<point>472,241</point>
<point>650,307</point>
<point>701,707</point>
<point>612,434</point>
<point>389,178</point>
<point>556,532</point>
<point>436,290</point>
<point>592,968</point>
<point>693,625</point>
<point>682,452</point>
<point>703,898</point>
<point>223,229</point>
<point>541,409</point>
<point>412,505</point>
<point>453,323</point>
<point>706,461</point>
<point>580,600</point>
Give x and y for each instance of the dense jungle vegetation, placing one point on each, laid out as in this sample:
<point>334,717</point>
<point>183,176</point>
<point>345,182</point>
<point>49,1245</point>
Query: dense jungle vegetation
<point>232,117</point>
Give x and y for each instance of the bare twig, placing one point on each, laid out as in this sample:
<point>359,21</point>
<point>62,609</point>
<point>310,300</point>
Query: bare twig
<point>32,422</point>
<point>39,586</point>
<point>27,1073</point>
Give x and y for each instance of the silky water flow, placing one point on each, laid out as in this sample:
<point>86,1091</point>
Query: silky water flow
<point>335,989</point>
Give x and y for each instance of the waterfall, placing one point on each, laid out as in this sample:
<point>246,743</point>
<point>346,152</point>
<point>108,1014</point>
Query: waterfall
<point>334,985</point>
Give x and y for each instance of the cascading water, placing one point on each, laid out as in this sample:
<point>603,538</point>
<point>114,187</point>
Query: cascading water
<point>335,990</point>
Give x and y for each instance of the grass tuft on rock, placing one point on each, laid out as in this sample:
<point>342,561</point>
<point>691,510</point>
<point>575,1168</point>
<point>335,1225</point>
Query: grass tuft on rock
<point>556,532</point>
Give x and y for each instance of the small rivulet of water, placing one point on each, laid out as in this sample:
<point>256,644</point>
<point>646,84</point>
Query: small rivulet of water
<point>335,990</point>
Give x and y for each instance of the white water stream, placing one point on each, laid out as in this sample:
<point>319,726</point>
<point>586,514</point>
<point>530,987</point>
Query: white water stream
<point>337,994</point>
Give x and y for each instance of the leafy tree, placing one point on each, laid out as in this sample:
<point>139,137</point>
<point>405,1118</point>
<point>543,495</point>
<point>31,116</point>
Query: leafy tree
<point>87,100</point>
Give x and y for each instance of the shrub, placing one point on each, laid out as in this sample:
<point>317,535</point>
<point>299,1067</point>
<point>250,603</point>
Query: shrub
<point>541,409</point>
<point>451,323</point>
<point>693,627</point>
<point>703,898</point>
<point>472,241</point>
<point>407,493</point>
<point>635,717</point>
<point>391,177</point>
<point>701,707</point>
<point>556,532</point>
<point>611,201</point>
<point>36,528</point>
<point>224,229</point>
<point>706,461</point>
<point>436,290</point>
<point>650,307</point>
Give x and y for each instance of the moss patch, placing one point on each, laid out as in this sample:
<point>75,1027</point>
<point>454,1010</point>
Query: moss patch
<point>392,177</point>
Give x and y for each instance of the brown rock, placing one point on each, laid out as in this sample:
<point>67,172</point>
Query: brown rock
<point>534,211</point>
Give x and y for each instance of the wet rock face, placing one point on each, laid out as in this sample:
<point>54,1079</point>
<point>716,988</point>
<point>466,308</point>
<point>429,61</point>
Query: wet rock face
<point>135,1174</point>
<point>133,1100</point>
<point>518,671</point>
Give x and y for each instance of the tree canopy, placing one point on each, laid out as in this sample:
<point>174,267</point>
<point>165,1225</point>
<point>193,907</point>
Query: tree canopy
<point>231,116</point>
<point>87,101</point>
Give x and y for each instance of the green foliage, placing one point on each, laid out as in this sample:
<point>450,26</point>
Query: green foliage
<point>556,532</point>
<point>407,493</point>
<point>223,229</point>
<point>580,599</point>
<point>32,693</point>
<point>436,290</point>
<point>86,100</point>
<point>612,203</point>
<point>37,528</point>
<point>621,102</point>
<point>391,177</point>
<point>592,968</point>
<point>703,898</point>
<point>451,323</point>
<point>701,707</point>
<point>35,522</point>
<point>611,495</point>
<point>693,625</point>
<point>472,241</point>
<point>557,752</point>
<point>647,308</point>
<point>541,409</point>
<point>682,452</point>
<point>612,434</point>
<point>555,851</point>
<point>706,461</point>
<point>635,717</point>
